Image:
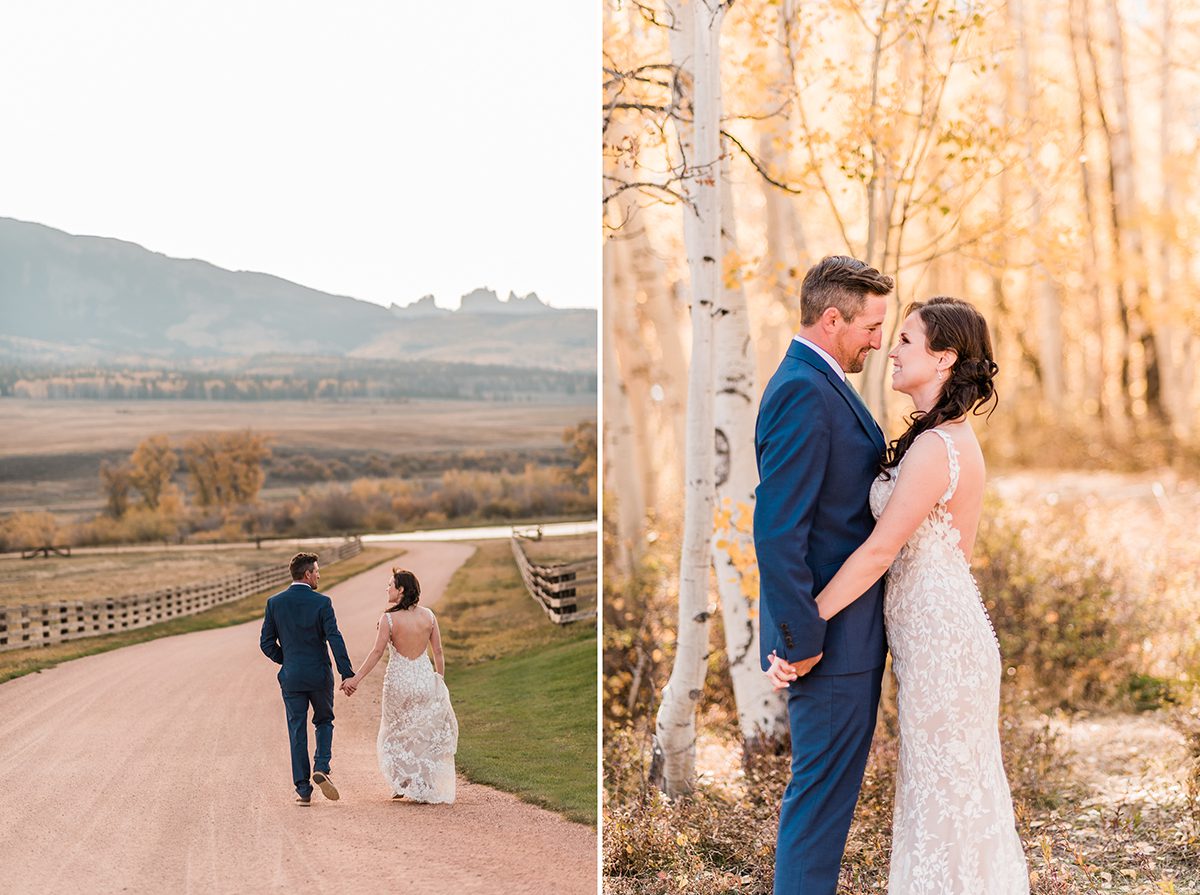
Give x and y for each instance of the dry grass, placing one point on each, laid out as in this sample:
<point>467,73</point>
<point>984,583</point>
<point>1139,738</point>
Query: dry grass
<point>493,615</point>
<point>549,551</point>
<point>97,576</point>
<point>1079,836</point>
<point>54,449</point>
<point>68,427</point>
<point>1091,580</point>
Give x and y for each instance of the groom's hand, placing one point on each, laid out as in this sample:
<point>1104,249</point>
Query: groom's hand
<point>348,687</point>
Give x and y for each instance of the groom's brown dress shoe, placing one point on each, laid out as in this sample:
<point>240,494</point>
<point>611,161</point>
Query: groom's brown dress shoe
<point>328,790</point>
<point>303,801</point>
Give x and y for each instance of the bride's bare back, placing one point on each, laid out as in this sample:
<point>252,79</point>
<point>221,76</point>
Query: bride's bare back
<point>966,504</point>
<point>413,630</point>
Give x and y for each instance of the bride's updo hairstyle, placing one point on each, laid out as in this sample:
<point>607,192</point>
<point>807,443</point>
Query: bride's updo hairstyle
<point>408,585</point>
<point>951,324</point>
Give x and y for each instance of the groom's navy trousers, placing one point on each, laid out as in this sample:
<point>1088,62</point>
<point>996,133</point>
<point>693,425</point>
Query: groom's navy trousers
<point>818,452</point>
<point>299,629</point>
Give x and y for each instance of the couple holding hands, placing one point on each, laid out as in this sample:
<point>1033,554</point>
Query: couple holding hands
<point>418,732</point>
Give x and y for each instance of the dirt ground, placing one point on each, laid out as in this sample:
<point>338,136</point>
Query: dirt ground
<point>164,767</point>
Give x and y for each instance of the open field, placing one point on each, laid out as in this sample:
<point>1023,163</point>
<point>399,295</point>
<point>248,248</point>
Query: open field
<point>97,576</point>
<point>524,688</point>
<point>69,427</point>
<point>51,451</point>
<point>15,663</point>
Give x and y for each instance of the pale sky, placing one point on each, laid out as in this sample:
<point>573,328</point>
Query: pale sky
<point>383,150</point>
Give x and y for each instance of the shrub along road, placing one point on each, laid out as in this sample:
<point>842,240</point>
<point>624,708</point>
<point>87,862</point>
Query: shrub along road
<point>164,767</point>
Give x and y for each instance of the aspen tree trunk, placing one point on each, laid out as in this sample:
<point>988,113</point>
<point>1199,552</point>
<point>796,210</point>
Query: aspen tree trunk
<point>670,374</point>
<point>786,254</point>
<point>675,726</point>
<point>1172,338</point>
<point>623,483</point>
<point>1131,253</point>
<point>1097,362</point>
<point>762,712</point>
<point>654,370</point>
<point>1048,307</point>
<point>880,197</point>
<point>1123,410</point>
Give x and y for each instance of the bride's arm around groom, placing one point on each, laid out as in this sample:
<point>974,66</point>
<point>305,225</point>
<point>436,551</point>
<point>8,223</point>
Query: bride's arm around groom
<point>926,473</point>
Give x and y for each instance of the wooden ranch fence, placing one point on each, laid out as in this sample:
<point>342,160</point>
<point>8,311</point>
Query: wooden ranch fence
<point>48,623</point>
<point>565,591</point>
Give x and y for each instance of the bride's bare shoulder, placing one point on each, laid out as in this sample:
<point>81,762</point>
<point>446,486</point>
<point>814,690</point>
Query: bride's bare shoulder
<point>970,454</point>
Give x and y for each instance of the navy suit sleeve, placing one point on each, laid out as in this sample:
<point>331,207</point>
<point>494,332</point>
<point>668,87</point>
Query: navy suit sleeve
<point>793,441</point>
<point>268,641</point>
<point>336,643</point>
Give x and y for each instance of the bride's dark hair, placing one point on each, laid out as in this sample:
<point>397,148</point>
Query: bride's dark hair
<point>410,589</point>
<point>951,324</point>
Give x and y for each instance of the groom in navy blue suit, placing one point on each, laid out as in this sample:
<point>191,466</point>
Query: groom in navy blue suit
<point>298,631</point>
<point>818,451</point>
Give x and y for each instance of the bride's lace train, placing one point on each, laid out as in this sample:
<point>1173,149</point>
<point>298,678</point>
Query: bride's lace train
<point>953,828</point>
<point>418,733</point>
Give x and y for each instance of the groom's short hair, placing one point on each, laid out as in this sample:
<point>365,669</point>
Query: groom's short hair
<point>842,282</point>
<point>302,564</point>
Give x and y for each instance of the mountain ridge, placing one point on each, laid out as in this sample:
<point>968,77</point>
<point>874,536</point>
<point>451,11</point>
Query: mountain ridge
<point>95,296</point>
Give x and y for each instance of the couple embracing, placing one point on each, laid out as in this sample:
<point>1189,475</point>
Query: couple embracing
<point>837,507</point>
<point>418,732</point>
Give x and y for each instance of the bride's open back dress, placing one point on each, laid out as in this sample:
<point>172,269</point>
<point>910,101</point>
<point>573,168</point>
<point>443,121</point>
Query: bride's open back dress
<point>953,828</point>
<point>418,733</point>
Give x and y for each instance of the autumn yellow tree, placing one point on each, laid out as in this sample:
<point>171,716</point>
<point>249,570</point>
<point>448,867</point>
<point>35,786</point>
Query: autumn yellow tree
<point>226,469</point>
<point>116,484</point>
<point>31,530</point>
<point>581,446</point>
<point>150,468</point>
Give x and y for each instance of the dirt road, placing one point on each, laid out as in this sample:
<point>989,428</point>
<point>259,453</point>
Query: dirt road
<point>164,767</point>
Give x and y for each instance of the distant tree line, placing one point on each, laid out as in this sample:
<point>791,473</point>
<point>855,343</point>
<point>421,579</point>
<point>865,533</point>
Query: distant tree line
<point>351,380</point>
<point>297,467</point>
<point>208,488</point>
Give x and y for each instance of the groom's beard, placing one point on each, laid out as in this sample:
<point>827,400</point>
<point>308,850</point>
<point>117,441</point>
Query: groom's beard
<point>859,362</point>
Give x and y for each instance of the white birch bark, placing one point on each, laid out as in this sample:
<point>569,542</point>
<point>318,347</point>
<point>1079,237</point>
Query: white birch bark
<point>762,712</point>
<point>675,727</point>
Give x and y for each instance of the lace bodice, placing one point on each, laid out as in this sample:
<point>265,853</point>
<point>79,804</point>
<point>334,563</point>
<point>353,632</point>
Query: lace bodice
<point>418,732</point>
<point>939,524</point>
<point>954,831</point>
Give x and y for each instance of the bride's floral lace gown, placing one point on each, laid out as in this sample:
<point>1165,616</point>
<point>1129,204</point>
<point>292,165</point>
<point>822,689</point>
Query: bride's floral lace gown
<point>418,732</point>
<point>953,829</point>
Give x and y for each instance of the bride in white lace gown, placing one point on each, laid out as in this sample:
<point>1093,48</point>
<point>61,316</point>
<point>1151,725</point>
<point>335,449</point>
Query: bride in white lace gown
<point>953,827</point>
<point>418,733</point>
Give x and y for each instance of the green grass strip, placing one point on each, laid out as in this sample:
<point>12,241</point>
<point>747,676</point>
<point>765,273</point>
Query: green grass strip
<point>527,725</point>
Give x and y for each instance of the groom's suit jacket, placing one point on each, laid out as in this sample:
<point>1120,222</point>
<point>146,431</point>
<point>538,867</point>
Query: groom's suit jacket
<point>298,631</point>
<point>818,451</point>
